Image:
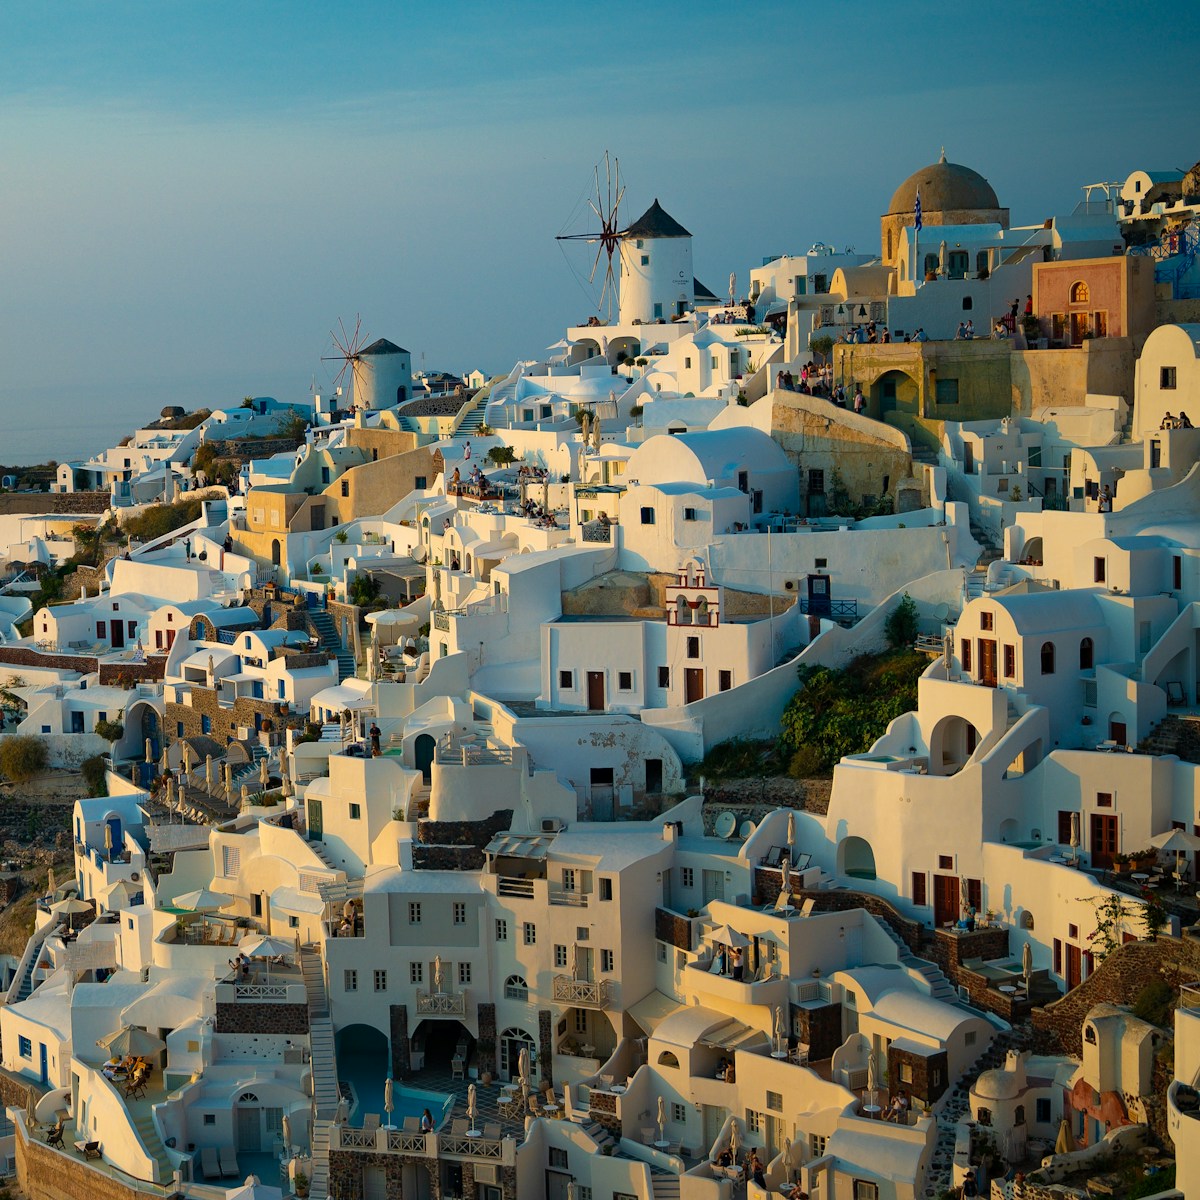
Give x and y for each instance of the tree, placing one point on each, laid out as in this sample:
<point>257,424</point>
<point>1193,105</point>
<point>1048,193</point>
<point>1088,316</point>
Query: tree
<point>95,775</point>
<point>900,628</point>
<point>21,758</point>
<point>110,731</point>
<point>364,590</point>
<point>821,346</point>
<point>502,455</point>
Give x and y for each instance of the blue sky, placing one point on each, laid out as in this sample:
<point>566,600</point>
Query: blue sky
<point>194,193</point>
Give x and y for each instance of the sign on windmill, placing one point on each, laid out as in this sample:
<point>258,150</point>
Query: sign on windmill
<point>607,240</point>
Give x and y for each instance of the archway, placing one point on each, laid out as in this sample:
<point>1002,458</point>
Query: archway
<point>512,1041</point>
<point>437,1042</point>
<point>893,391</point>
<point>951,744</point>
<point>1033,552</point>
<point>364,1060</point>
<point>275,552</point>
<point>856,858</point>
<point>423,751</point>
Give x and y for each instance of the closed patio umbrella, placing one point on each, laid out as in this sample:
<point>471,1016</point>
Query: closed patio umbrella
<point>208,773</point>
<point>131,1041</point>
<point>779,1035</point>
<point>389,1099</point>
<point>872,1075</point>
<point>1027,965</point>
<point>169,793</point>
<point>662,1119</point>
<point>108,839</point>
<point>149,751</point>
<point>472,1106</point>
<point>523,1066</point>
<point>287,1134</point>
<point>1065,1143</point>
<point>1075,835</point>
<point>735,1141</point>
<point>50,888</point>
<point>264,773</point>
<point>791,832</point>
<point>437,974</point>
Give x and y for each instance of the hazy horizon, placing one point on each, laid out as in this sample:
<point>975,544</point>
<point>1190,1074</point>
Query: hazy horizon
<point>197,193</point>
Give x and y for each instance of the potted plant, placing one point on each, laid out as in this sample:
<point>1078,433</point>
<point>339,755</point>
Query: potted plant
<point>300,1183</point>
<point>487,1059</point>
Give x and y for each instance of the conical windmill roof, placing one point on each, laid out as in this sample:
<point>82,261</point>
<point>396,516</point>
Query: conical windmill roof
<point>383,346</point>
<point>656,222</point>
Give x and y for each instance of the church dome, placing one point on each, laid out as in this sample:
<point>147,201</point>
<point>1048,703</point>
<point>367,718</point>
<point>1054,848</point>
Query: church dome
<point>944,187</point>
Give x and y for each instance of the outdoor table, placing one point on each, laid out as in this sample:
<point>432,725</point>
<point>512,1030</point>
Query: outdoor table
<point>617,1089</point>
<point>779,1054</point>
<point>872,1110</point>
<point>1140,876</point>
<point>552,1110</point>
<point>1008,989</point>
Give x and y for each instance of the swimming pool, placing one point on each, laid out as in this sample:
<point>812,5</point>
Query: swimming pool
<point>363,1076</point>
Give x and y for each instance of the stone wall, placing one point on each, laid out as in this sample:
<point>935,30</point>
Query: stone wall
<point>673,928</point>
<point>485,1017</point>
<point>54,502</point>
<point>546,1045</point>
<point>248,1017</point>
<point>465,833</point>
<point>46,1174</point>
<point>224,721</point>
<point>347,1167</point>
<point>930,1075</point>
<point>398,1029</point>
<point>820,1029</point>
<point>1117,980</point>
<point>447,858</point>
<point>86,664</point>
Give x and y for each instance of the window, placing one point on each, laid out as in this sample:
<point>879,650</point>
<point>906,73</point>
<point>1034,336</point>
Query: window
<point>380,981</point>
<point>556,1158</point>
<point>945,862</point>
<point>687,364</point>
<point>984,1116</point>
<point>464,973</point>
<point>529,933</point>
<point>606,892</point>
<point>414,912</point>
<point>560,956</point>
<point>821,563</point>
<point>1010,662</point>
<point>920,895</point>
<point>1166,379</point>
<point>1098,571</point>
<point>664,677</point>
<point>645,260</point>
<point>754,1121</point>
<point>816,482</point>
<point>816,1143</point>
<point>647,516</point>
<point>724,680</point>
<point>1044,1112</point>
<point>966,654</point>
<point>1057,957</point>
<point>906,1072</point>
<point>356,812</point>
<point>693,647</point>
<point>968,304</point>
<point>231,861</point>
<point>1087,655</point>
<point>774,1102</point>
<point>947,391</point>
<point>1080,293</point>
<point>24,1047</point>
<point>349,981</point>
<point>987,620</point>
<point>687,876</point>
<point>607,961</point>
<point>210,1118</point>
<point>566,680</point>
<point>460,912</point>
<point>1104,799</point>
<point>416,972</point>
<point>689,514</point>
<point>864,1190</point>
<point>501,930</point>
<point>662,952</point>
<point>624,681</point>
<point>678,1113</point>
<point>515,988</point>
<point>345,487</point>
<point>421,482</point>
<point>1047,658</point>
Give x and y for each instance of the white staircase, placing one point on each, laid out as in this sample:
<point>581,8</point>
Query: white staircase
<point>324,1069</point>
<point>940,988</point>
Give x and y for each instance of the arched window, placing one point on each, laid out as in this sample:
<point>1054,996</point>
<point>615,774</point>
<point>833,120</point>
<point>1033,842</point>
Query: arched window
<point>1089,1034</point>
<point>515,988</point>
<point>275,552</point>
<point>702,611</point>
<point>1047,658</point>
<point>668,1059</point>
<point>247,1098</point>
<point>1019,1115</point>
<point>889,244</point>
<point>1080,293</point>
<point>984,1116</point>
<point>1086,654</point>
<point>683,614</point>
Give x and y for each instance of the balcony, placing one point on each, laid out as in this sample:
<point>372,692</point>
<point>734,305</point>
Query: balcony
<point>570,898</point>
<point>441,1004</point>
<point>581,992</point>
<point>719,990</point>
<point>516,889</point>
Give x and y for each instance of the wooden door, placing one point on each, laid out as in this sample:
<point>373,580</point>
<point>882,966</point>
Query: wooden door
<point>945,899</point>
<point>595,689</point>
<point>1104,839</point>
<point>1074,966</point>
<point>116,636</point>
<point>819,600</point>
<point>1117,732</point>
<point>987,662</point>
<point>693,684</point>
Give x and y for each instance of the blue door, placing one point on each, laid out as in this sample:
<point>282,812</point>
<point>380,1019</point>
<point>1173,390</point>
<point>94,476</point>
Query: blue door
<point>45,1066</point>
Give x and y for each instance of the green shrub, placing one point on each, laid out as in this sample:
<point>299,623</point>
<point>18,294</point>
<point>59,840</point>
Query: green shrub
<point>95,775</point>
<point>806,763</point>
<point>1155,1002</point>
<point>110,731</point>
<point>738,758</point>
<point>21,758</point>
<point>900,628</point>
<point>160,519</point>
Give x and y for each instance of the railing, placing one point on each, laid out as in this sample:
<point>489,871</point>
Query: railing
<point>581,992</point>
<point>470,1147</point>
<point>572,899</point>
<point>261,991</point>
<point>1189,995</point>
<point>519,888</point>
<point>836,610</point>
<point>441,1004</point>
<point>359,1139</point>
<point>441,620</point>
<point>595,532</point>
<point>403,1141</point>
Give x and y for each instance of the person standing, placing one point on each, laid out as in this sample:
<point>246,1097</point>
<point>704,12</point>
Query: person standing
<point>737,964</point>
<point>375,750</point>
<point>859,402</point>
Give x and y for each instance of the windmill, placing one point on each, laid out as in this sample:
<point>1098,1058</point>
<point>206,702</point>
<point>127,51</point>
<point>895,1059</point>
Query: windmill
<point>349,347</point>
<point>606,206</point>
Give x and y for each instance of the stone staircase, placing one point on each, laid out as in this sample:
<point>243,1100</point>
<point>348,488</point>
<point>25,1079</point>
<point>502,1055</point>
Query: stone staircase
<point>664,1185</point>
<point>600,1136</point>
<point>940,988</point>
<point>147,1134</point>
<point>1176,735</point>
<point>326,630</point>
<point>324,1069</point>
<point>470,424</point>
<point>249,772</point>
<point>318,848</point>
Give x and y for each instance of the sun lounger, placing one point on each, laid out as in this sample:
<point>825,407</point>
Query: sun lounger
<point>412,1125</point>
<point>229,1163</point>
<point>210,1164</point>
<point>371,1121</point>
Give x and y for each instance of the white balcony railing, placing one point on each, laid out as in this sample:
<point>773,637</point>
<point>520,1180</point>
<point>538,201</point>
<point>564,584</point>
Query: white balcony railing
<point>441,1004</point>
<point>581,993</point>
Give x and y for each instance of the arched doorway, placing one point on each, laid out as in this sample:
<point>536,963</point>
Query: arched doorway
<point>423,751</point>
<point>856,858</point>
<point>364,1060</point>
<point>275,552</point>
<point>512,1042</point>
<point>951,744</point>
<point>437,1042</point>
<point>247,1123</point>
<point>893,391</point>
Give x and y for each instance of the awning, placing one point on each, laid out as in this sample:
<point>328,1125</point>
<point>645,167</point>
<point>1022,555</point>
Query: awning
<point>292,900</point>
<point>519,846</point>
<point>652,1009</point>
<point>733,1035</point>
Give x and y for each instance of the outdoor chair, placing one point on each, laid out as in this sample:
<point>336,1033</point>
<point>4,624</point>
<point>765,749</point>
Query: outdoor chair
<point>1175,694</point>
<point>458,1127</point>
<point>229,1163</point>
<point>491,1131</point>
<point>210,1164</point>
<point>54,1136</point>
<point>412,1125</point>
<point>90,1150</point>
<point>371,1121</point>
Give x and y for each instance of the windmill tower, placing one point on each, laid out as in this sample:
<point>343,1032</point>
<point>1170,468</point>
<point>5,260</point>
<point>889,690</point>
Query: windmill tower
<point>606,206</point>
<point>380,374</point>
<point>656,268</point>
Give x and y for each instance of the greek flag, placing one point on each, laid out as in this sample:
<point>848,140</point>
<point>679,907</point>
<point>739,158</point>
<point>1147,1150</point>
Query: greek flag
<point>917,224</point>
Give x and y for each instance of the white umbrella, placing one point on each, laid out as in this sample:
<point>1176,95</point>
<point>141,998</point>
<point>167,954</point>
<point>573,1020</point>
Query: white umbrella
<point>791,831</point>
<point>149,751</point>
<point>287,1133</point>
<point>1177,841</point>
<point>389,1099</point>
<point>437,974</point>
<point>662,1119</point>
<point>187,750</point>
<point>735,1141</point>
<point>71,909</point>
<point>964,899</point>
<point>208,773</point>
<point>120,894</point>
<point>169,794</point>
<point>50,888</point>
<point>1027,964</point>
<point>779,1026</point>
<point>227,771</point>
<point>570,1189</point>
<point>264,773</point>
<point>729,937</point>
<point>471,1106</point>
<point>264,945</point>
<point>1075,834</point>
<point>1065,1143</point>
<point>574,960</point>
<point>245,795</point>
<point>204,900</point>
<point>131,1041</point>
<point>108,837</point>
<point>523,1065</point>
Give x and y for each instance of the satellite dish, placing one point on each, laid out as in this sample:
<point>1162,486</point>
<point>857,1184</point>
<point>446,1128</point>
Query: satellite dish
<point>942,611</point>
<point>726,824</point>
<point>748,827</point>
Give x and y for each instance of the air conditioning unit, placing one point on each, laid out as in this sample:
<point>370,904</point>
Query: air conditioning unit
<point>487,1173</point>
<point>552,825</point>
<point>791,585</point>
